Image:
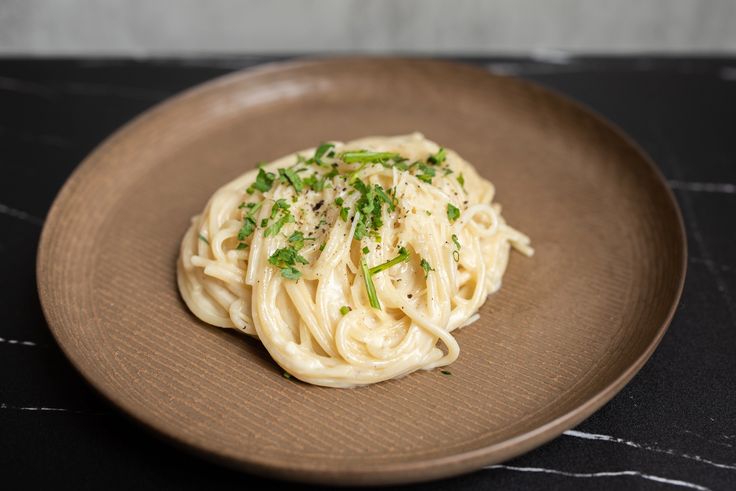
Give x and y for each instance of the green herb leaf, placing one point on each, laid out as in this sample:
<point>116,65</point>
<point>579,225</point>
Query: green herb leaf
<point>437,158</point>
<point>456,241</point>
<point>297,238</point>
<point>321,151</point>
<point>287,375</point>
<point>275,227</point>
<point>285,259</point>
<point>249,225</point>
<point>366,156</point>
<point>241,246</point>
<point>426,267</point>
<point>345,309</point>
<point>445,372</point>
<point>289,176</point>
<point>456,256</point>
<point>339,201</point>
<point>291,273</point>
<point>370,288</point>
<point>279,204</point>
<point>427,173</point>
<point>403,256</point>
<point>314,182</point>
<point>453,213</point>
<point>204,239</point>
<point>461,180</point>
<point>366,250</point>
<point>344,214</point>
<point>264,181</point>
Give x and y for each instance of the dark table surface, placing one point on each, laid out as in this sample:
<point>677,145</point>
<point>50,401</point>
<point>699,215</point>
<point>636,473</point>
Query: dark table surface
<point>673,426</point>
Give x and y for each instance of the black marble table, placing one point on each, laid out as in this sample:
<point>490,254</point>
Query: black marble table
<point>673,426</point>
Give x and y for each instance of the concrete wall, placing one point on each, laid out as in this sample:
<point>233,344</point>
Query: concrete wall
<point>164,27</point>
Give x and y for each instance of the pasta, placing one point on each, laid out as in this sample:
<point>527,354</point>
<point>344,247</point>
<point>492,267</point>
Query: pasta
<point>352,263</point>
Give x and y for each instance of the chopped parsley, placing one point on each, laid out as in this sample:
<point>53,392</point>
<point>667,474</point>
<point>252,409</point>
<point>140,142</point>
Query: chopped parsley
<point>314,183</point>
<point>286,259</point>
<point>249,221</point>
<point>289,176</point>
<point>369,205</point>
<point>281,208</point>
<point>345,309</point>
<point>279,204</point>
<point>204,239</point>
<point>456,241</point>
<point>320,152</point>
<point>370,288</point>
<point>366,250</point>
<point>445,372</point>
<point>403,256</point>
<point>426,267</point>
<point>453,213</point>
<point>287,375</point>
<point>366,156</point>
<point>344,214</point>
<point>461,180</point>
<point>438,158</point>
<point>456,252</point>
<point>427,173</point>
<point>264,181</point>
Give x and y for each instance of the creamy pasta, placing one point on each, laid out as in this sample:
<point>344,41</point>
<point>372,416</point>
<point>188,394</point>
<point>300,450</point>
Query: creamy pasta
<point>352,263</point>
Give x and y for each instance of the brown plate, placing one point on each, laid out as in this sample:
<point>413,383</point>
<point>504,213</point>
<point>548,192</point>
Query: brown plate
<point>568,329</point>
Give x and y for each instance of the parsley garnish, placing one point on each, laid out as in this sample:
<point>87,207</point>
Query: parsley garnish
<point>289,176</point>
<point>453,213</point>
<point>370,288</point>
<point>204,239</point>
<point>281,206</point>
<point>249,221</point>
<point>264,181</point>
<point>445,372</point>
<point>366,156</point>
<point>320,152</point>
<point>456,253</point>
<point>437,158</point>
<point>461,180</point>
<point>369,206</point>
<point>344,214</point>
<point>287,375</point>
<point>456,241</point>
<point>315,183</point>
<point>297,238</point>
<point>285,259</point>
<point>427,173</point>
<point>366,250</point>
<point>403,256</point>
<point>426,267</point>
<point>345,309</point>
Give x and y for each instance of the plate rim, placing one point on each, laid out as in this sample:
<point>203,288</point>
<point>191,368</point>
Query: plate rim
<point>424,469</point>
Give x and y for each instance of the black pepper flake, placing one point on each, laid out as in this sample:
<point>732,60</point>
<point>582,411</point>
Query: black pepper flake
<point>409,295</point>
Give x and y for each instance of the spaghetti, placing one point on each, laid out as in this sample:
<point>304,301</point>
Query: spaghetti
<point>350,262</point>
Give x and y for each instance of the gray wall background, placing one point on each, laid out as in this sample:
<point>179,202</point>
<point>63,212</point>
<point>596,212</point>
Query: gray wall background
<point>169,27</point>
